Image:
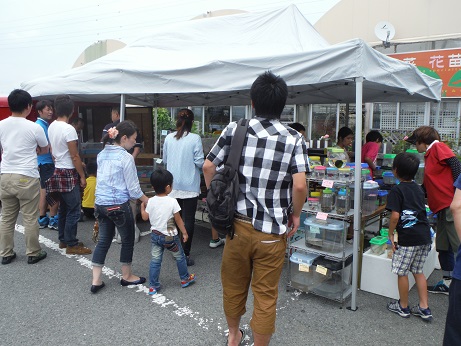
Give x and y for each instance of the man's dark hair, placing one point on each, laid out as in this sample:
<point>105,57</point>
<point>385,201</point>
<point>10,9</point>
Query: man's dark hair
<point>344,132</point>
<point>42,104</point>
<point>406,165</point>
<point>160,179</point>
<point>91,168</point>
<point>269,95</point>
<point>297,126</point>
<point>19,100</point>
<point>63,106</point>
<point>372,136</point>
<point>115,109</point>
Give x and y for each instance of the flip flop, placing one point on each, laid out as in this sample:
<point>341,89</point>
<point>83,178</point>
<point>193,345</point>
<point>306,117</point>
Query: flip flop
<point>242,339</point>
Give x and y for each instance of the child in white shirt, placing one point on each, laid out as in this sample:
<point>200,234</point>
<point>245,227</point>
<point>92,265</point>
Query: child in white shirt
<point>163,212</point>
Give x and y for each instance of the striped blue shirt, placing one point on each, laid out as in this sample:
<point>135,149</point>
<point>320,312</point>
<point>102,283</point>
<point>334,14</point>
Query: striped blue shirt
<point>117,179</point>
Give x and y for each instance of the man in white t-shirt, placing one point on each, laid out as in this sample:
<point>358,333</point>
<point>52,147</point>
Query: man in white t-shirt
<point>68,176</point>
<point>21,140</point>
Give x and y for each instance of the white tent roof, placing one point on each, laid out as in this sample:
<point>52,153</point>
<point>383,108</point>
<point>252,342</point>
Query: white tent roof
<point>214,61</point>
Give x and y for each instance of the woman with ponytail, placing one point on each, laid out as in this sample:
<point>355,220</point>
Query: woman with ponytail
<point>183,157</point>
<point>116,184</point>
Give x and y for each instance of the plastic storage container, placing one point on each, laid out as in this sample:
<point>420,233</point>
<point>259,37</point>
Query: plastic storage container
<point>384,232</point>
<point>332,173</point>
<point>342,202</point>
<point>316,194</point>
<point>336,279</point>
<point>319,172</point>
<point>313,203</point>
<point>389,178</point>
<point>344,174</point>
<point>378,245</point>
<point>370,197</point>
<point>388,160</point>
<point>302,274</point>
<point>314,161</point>
<point>326,236</point>
<point>420,155</point>
<point>337,157</point>
<point>382,197</point>
<point>327,201</point>
<point>351,193</point>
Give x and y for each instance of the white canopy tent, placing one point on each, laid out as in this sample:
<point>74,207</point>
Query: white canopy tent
<point>214,61</point>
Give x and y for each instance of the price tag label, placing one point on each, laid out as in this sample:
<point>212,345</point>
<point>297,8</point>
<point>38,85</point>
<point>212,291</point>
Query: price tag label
<point>164,132</point>
<point>321,270</point>
<point>328,183</point>
<point>303,268</point>
<point>321,216</point>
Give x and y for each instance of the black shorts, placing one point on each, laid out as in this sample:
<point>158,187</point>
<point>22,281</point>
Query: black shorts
<point>46,172</point>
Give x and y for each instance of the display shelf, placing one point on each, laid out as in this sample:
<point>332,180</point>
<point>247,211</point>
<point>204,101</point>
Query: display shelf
<point>348,217</point>
<point>342,255</point>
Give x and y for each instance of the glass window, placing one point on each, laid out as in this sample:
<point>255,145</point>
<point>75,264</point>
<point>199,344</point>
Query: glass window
<point>288,114</point>
<point>216,118</point>
<point>323,121</point>
<point>238,112</point>
<point>386,114</point>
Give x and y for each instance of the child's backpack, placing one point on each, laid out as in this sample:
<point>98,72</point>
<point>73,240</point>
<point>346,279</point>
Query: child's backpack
<point>224,187</point>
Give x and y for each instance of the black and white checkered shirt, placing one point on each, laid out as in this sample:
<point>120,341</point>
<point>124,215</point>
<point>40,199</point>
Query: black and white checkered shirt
<point>272,152</point>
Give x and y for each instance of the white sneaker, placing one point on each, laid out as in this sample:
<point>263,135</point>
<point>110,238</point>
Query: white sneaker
<point>216,243</point>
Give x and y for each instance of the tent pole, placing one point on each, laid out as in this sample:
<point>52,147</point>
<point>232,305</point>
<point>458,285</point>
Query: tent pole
<point>357,189</point>
<point>155,129</point>
<point>122,107</point>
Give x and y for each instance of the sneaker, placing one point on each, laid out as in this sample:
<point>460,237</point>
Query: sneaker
<point>190,262</point>
<point>37,258</point>
<point>440,287</point>
<point>152,291</point>
<point>216,243</point>
<point>43,222</point>
<point>395,307</point>
<point>78,249</point>
<point>188,281</point>
<point>53,224</point>
<point>118,239</point>
<point>425,314</point>
<point>8,259</point>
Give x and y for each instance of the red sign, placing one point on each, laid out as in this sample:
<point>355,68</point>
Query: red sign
<point>444,64</point>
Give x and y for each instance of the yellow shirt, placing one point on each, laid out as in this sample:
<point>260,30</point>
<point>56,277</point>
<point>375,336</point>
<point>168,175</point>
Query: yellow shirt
<point>89,193</point>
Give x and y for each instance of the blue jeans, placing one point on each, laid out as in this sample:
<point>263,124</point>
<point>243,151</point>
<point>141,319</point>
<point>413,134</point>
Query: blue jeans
<point>69,214</point>
<point>109,217</point>
<point>188,209</point>
<point>172,244</point>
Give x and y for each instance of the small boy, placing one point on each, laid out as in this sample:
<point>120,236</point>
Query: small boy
<point>163,212</point>
<point>90,190</point>
<point>371,148</point>
<point>408,218</point>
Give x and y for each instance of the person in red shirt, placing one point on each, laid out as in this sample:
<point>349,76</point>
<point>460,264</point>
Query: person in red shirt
<point>442,168</point>
<point>371,148</point>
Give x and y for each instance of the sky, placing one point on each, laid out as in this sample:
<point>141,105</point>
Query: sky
<point>40,38</point>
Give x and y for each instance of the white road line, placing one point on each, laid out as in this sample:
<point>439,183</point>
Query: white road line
<point>159,299</point>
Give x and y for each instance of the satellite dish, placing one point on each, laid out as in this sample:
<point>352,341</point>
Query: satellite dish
<point>385,31</point>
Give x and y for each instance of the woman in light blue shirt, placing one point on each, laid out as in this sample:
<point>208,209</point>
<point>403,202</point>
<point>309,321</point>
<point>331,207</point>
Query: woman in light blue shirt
<point>183,156</point>
<point>116,184</point>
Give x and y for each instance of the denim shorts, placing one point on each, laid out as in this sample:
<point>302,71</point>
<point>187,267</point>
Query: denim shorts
<point>46,172</point>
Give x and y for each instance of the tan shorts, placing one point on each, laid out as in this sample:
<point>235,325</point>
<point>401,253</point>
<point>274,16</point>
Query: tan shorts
<point>257,258</point>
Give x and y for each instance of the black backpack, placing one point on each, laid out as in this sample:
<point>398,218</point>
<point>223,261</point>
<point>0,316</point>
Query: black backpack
<point>224,187</point>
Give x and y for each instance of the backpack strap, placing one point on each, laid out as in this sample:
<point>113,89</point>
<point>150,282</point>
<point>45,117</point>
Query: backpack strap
<point>236,147</point>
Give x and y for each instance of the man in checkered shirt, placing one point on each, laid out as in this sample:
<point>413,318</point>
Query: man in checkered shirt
<point>272,177</point>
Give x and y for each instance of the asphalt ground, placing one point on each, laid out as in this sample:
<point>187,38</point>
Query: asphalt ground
<point>49,303</point>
